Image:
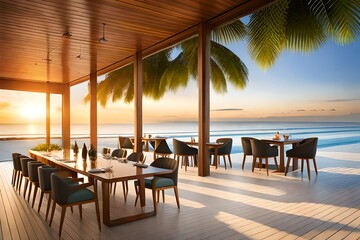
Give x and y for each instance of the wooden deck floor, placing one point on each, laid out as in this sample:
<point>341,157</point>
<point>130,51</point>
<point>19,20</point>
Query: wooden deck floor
<point>230,204</point>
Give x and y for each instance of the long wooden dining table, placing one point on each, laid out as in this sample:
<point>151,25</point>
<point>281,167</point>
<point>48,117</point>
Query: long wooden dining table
<point>119,172</point>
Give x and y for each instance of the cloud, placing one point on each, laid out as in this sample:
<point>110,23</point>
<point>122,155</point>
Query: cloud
<point>342,100</point>
<point>332,110</point>
<point>4,105</point>
<point>316,110</point>
<point>301,110</point>
<point>227,109</point>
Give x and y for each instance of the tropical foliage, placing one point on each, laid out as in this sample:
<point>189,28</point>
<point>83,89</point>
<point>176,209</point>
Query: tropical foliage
<point>296,25</point>
<point>46,147</point>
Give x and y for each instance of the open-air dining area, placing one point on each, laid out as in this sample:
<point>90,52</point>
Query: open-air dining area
<point>148,119</point>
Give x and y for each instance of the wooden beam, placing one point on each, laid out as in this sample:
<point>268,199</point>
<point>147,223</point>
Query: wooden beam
<point>66,119</point>
<point>138,121</point>
<point>204,98</point>
<point>93,109</point>
<point>30,86</point>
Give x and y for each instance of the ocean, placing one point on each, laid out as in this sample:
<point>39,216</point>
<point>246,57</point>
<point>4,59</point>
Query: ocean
<point>21,137</point>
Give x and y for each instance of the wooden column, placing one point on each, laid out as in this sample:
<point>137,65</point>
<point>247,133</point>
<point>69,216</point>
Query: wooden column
<point>204,98</point>
<point>93,109</point>
<point>138,101</point>
<point>66,118</point>
<point>47,117</point>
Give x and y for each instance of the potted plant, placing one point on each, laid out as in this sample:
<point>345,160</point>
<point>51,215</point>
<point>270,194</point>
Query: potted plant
<point>84,152</point>
<point>92,153</point>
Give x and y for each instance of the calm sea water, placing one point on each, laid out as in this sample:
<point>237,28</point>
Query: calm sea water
<point>329,133</point>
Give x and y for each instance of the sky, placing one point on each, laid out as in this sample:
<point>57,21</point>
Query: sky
<point>323,85</point>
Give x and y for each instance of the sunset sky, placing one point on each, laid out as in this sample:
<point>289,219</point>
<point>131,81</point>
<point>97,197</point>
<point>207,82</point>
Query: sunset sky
<point>323,83</point>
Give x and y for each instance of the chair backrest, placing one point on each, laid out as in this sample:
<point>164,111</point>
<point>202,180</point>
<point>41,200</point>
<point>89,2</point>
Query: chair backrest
<point>306,149</point>
<point>128,144</point>
<point>181,148</point>
<point>163,147</point>
<point>226,148</point>
<point>119,153</point>
<point>246,145</point>
<point>136,157</point>
<point>44,173</point>
<point>61,188</point>
<point>121,140</point>
<point>16,161</point>
<point>24,165</point>
<point>262,149</point>
<point>33,170</point>
<point>167,163</point>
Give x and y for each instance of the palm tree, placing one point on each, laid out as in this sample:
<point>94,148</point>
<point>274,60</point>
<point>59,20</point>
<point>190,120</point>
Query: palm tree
<point>296,25</point>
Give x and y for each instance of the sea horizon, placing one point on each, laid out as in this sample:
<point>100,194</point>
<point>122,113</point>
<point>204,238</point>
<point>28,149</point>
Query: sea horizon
<point>22,137</point>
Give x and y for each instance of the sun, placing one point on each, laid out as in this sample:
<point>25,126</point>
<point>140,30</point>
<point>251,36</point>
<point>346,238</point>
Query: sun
<point>32,111</point>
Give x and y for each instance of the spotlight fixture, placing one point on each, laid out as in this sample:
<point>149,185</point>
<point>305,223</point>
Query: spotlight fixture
<point>67,33</point>
<point>103,39</point>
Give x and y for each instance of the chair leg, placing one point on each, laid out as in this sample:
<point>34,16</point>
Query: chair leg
<point>137,193</point>
<point>13,177</point>
<point>29,193</point>
<point>230,161</point>
<point>276,164</point>
<point>308,167</point>
<point>158,196</point>
<point>287,165</point>
<point>186,160</point>
<point>34,196</point>
<point>40,201</point>
<point>52,212</point>
<point>25,187</point>
<point>224,161</point>
<point>48,207</point>
<point>63,211</point>
<point>302,165</point>
<point>254,162</point>
<point>163,195</point>
<point>80,211</point>
<point>177,196</point>
<point>97,213</point>
<point>243,163</point>
<point>124,190</point>
<point>267,165</point>
<point>18,183</point>
<point>315,166</point>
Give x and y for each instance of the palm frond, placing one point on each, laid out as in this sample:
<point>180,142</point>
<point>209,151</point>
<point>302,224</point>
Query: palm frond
<point>231,65</point>
<point>229,33</point>
<point>217,78</point>
<point>267,33</point>
<point>339,18</point>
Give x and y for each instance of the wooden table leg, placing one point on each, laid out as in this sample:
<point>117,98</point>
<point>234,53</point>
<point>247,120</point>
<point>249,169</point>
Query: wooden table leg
<point>142,193</point>
<point>216,156</point>
<point>282,158</point>
<point>106,203</point>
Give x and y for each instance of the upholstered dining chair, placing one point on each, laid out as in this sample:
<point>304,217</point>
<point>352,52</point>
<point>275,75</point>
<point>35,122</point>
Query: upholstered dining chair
<point>33,179</point>
<point>246,146</point>
<point>25,172</point>
<point>306,150</point>
<point>162,150</point>
<point>44,173</point>
<point>260,150</point>
<point>183,151</point>
<point>119,153</point>
<point>128,144</point>
<point>162,182</point>
<point>17,168</point>
<point>224,150</point>
<point>66,194</point>
<point>133,157</point>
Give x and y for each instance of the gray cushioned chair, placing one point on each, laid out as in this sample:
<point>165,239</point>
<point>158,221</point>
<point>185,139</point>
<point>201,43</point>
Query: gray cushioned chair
<point>162,150</point>
<point>260,150</point>
<point>24,172</point>
<point>306,150</point>
<point>161,182</point>
<point>224,150</point>
<point>66,194</point>
<point>33,178</point>
<point>44,173</point>
<point>246,146</point>
<point>183,151</point>
<point>17,168</point>
<point>119,153</point>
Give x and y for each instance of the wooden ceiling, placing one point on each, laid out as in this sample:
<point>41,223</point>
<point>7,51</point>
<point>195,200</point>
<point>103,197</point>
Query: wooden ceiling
<point>33,47</point>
